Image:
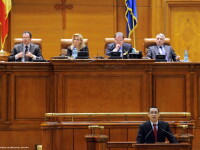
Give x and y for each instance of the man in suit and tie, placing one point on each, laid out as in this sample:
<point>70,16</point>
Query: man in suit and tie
<point>25,51</point>
<point>161,49</point>
<point>154,130</point>
<point>119,46</point>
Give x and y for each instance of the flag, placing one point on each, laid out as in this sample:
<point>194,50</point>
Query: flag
<point>5,7</point>
<point>131,16</point>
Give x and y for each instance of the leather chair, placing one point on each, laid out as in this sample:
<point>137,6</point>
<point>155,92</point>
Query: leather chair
<point>152,41</point>
<point>35,41</point>
<point>65,43</point>
<point>111,40</point>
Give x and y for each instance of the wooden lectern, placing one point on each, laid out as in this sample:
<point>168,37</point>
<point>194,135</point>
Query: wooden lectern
<point>163,146</point>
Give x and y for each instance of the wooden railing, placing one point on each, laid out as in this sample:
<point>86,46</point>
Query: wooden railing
<point>124,114</point>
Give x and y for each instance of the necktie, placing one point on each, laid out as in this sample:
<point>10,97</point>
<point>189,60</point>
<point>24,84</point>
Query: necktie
<point>155,132</point>
<point>26,50</point>
<point>162,50</point>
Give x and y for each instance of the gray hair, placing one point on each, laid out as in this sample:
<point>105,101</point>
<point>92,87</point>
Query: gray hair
<point>160,35</point>
<point>119,34</point>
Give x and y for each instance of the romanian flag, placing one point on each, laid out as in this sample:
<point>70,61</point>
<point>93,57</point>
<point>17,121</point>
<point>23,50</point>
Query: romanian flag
<point>131,16</point>
<point>5,7</point>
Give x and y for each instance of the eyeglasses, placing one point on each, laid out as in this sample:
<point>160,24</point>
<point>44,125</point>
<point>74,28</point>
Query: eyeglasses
<point>159,39</point>
<point>25,37</point>
<point>153,112</point>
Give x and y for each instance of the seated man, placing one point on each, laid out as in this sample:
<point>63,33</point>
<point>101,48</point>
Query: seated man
<point>153,130</point>
<point>119,46</point>
<point>161,49</point>
<point>25,51</point>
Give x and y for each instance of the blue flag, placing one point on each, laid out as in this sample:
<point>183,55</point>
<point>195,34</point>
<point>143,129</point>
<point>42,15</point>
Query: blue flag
<point>131,16</point>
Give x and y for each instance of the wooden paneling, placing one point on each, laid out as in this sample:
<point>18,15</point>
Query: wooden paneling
<point>169,92</point>
<point>31,93</point>
<point>79,140</point>
<point>86,17</point>
<point>114,89</point>
<point>196,139</point>
<point>94,21</point>
<point>114,136</point>
<point>41,18</point>
<point>26,139</point>
<point>67,139</point>
<point>93,86</point>
<point>3,96</point>
<point>1,106</point>
<point>183,19</point>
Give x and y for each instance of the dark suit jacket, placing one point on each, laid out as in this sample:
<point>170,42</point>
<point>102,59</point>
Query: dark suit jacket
<point>69,50</point>
<point>126,47</point>
<point>34,49</point>
<point>154,50</point>
<point>146,134</point>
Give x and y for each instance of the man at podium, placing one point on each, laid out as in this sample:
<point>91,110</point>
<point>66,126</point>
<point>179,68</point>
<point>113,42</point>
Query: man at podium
<point>154,130</point>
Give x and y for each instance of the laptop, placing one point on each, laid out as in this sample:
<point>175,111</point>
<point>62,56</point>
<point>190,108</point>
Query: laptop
<point>135,55</point>
<point>82,55</point>
<point>160,58</point>
<point>115,55</point>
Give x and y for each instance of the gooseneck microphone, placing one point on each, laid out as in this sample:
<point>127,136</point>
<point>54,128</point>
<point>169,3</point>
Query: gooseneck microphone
<point>166,131</point>
<point>148,134</point>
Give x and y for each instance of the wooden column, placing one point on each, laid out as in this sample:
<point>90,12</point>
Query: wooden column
<point>96,142</point>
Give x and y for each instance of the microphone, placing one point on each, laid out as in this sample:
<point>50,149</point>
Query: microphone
<point>148,133</point>
<point>166,131</point>
<point>126,52</point>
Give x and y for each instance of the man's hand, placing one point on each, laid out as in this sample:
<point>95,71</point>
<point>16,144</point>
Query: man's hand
<point>29,54</point>
<point>178,58</point>
<point>20,55</point>
<point>117,48</point>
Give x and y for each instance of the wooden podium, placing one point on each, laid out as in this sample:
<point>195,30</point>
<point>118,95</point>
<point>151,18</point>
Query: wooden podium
<point>163,146</point>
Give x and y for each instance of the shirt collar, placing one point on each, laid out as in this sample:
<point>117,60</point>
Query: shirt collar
<point>153,123</point>
<point>27,45</point>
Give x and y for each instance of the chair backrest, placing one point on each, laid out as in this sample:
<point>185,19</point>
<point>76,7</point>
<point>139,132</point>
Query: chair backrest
<point>111,40</point>
<point>65,43</point>
<point>35,41</point>
<point>152,41</point>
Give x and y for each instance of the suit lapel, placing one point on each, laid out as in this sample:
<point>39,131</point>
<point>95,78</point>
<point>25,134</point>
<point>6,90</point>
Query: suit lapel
<point>150,129</point>
<point>159,135</point>
<point>166,50</point>
<point>31,48</point>
<point>21,47</point>
<point>157,50</point>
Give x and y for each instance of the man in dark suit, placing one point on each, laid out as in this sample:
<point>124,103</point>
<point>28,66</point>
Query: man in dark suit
<point>161,49</point>
<point>153,130</point>
<point>25,51</point>
<point>119,46</point>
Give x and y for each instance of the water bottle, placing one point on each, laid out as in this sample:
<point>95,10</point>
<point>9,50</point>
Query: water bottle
<point>185,56</point>
<point>74,53</point>
<point>133,50</point>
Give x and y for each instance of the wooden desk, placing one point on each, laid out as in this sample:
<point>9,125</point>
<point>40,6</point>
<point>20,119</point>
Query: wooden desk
<point>93,86</point>
<point>163,146</point>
